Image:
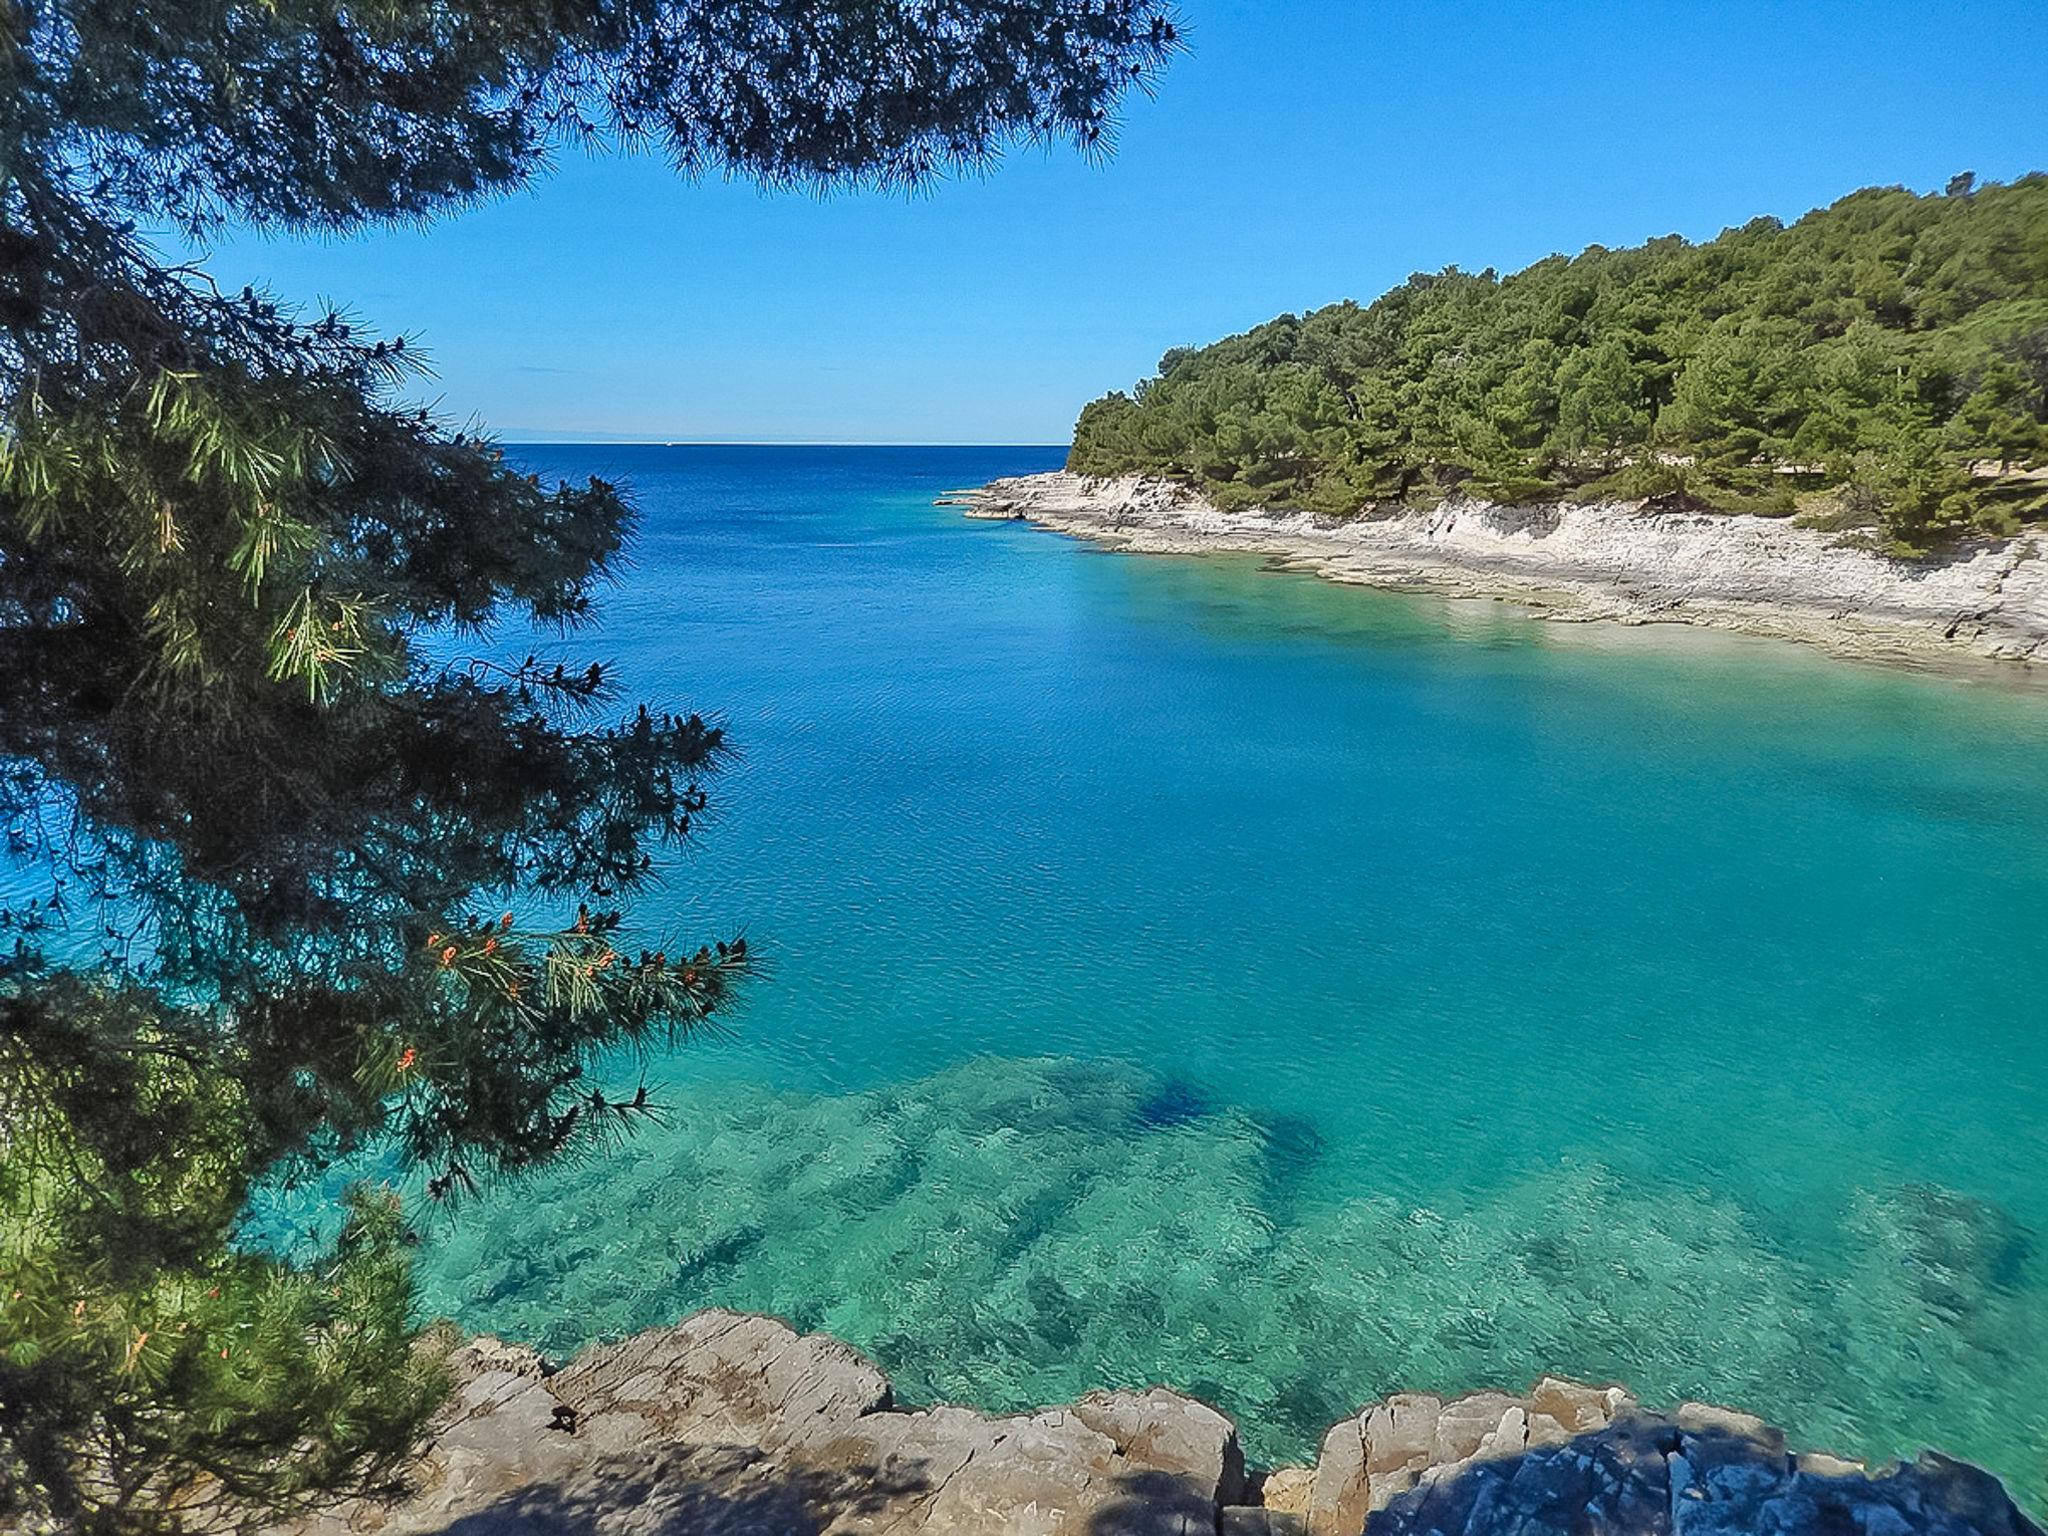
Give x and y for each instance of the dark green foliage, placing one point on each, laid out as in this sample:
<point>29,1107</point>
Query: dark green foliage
<point>308,864</point>
<point>311,112</point>
<point>130,1330</point>
<point>1891,345</point>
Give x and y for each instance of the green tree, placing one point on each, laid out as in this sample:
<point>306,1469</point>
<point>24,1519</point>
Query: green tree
<point>1601,414</point>
<point>1735,402</point>
<point>2004,416</point>
<point>1815,355</point>
<point>1912,488</point>
<point>311,866</point>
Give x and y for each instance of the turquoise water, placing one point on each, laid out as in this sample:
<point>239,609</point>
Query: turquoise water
<point>1185,972</point>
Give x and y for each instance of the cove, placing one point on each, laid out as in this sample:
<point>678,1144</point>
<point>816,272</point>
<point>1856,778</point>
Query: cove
<point>1186,972</point>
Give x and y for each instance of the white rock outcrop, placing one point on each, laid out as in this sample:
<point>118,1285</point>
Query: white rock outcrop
<point>1618,561</point>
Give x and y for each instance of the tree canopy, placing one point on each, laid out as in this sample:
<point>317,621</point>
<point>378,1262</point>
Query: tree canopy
<point>1886,356</point>
<point>301,862</point>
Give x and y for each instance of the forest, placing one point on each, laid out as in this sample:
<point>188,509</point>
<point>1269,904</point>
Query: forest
<point>1878,368</point>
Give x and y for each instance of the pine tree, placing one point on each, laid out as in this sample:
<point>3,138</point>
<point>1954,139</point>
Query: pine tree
<point>1819,356</point>
<point>300,877</point>
<point>1600,411</point>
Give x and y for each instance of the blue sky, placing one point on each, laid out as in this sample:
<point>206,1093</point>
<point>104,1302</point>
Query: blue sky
<point>1299,153</point>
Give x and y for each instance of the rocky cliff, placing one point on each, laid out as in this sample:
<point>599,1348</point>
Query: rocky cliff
<point>735,1425</point>
<point>1620,561</point>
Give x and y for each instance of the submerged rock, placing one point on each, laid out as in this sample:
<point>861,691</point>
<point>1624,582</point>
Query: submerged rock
<point>729,1424</point>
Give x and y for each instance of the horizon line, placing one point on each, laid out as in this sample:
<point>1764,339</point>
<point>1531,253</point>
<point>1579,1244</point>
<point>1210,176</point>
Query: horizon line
<point>537,441</point>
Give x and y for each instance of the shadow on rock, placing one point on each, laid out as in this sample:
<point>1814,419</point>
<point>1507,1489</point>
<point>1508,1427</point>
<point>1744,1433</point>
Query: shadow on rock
<point>1154,1504</point>
<point>1649,1476</point>
<point>693,1491</point>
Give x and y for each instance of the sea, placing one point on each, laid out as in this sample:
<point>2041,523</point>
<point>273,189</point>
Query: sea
<point>1181,971</point>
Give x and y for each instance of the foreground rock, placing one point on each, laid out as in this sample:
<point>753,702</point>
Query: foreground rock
<point>1619,561</point>
<point>728,1424</point>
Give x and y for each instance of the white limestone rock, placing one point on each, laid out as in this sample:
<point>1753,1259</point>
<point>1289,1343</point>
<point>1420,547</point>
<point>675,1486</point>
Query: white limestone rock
<point>1620,561</point>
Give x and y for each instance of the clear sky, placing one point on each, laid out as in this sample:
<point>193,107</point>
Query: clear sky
<point>1302,151</point>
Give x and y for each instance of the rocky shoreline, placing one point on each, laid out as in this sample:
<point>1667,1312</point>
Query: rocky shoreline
<point>730,1424</point>
<point>1624,562</point>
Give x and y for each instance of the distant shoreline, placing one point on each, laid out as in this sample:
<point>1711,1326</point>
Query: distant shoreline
<point>1618,562</point>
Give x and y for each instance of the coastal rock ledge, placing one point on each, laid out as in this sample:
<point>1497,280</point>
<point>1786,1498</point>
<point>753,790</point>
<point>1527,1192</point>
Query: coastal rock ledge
<point>1628,562</point>
<point>735,1425</point>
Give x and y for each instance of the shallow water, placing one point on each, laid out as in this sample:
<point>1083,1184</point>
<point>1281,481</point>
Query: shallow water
<point>1185,972</point>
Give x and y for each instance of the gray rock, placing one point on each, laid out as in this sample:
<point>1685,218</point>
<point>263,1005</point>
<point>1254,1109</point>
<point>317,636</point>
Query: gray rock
<point>731,1425</point>
<point>1287,1490</point>
<point>1709,1418</point>
<point>1576,1407</point>
<point>1400,1437</point>
<point>1554,1489</point>
<point>1507,1438</point>
<point>1168,1433</point>
<point>1340,1495</point>
<point>1969,1495</point>
<point>1464,1423</point>
<point>907,1458</point>
<point>1039,1476</point>
<point>485,1352</point>
<point>725,1378</point>
<point>1882,1520</point>
<point>1259,1520</point>
<point>1629,1458</point>
<point>1821,1464</point>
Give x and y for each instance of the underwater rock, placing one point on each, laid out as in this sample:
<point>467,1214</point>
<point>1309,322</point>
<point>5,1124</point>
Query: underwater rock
<point>1009,1232</point>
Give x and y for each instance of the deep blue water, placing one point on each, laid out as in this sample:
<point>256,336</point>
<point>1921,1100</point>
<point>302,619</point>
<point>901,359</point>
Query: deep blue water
<point>1186,972</point>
